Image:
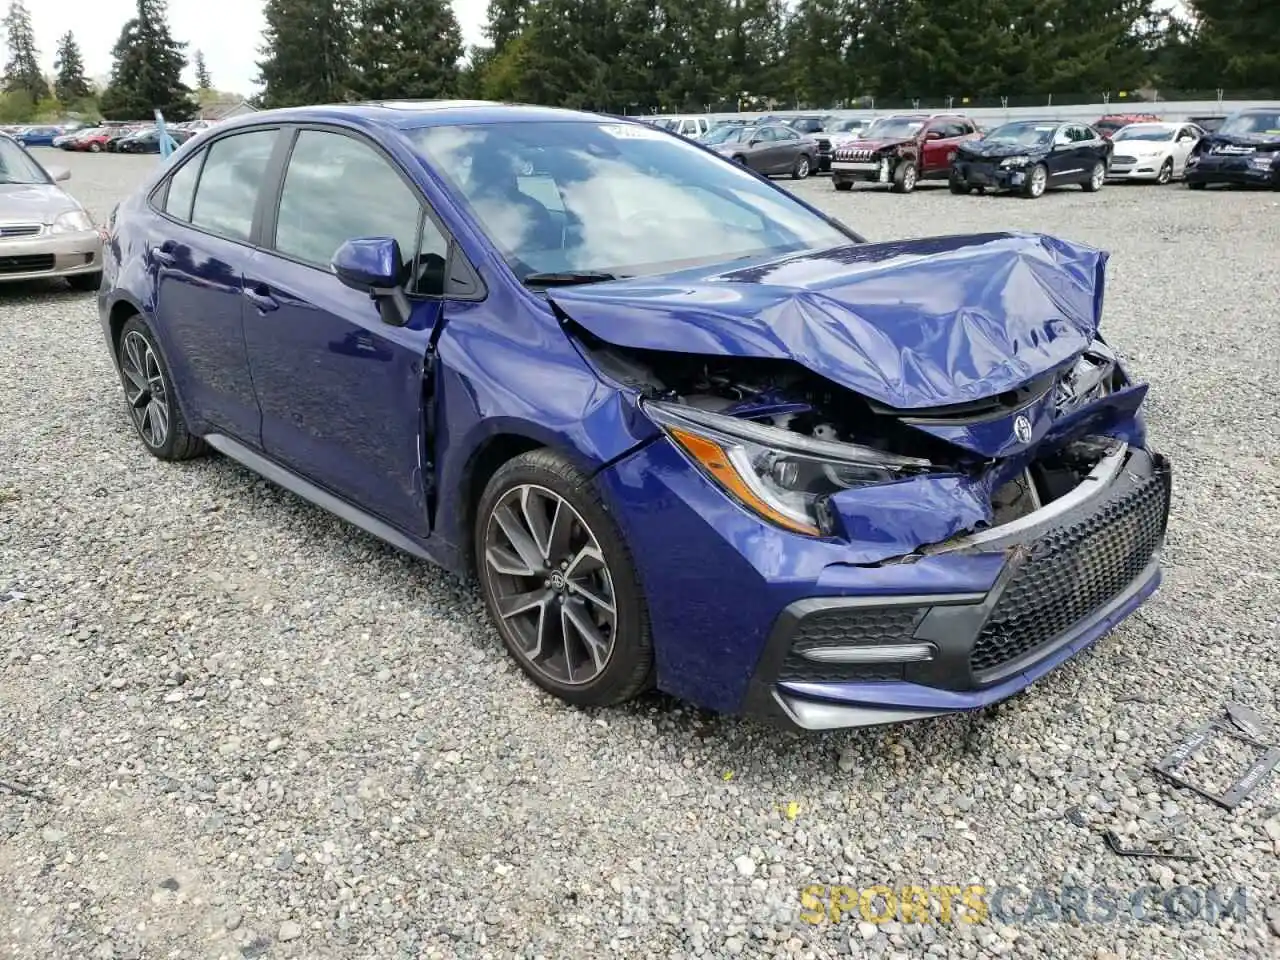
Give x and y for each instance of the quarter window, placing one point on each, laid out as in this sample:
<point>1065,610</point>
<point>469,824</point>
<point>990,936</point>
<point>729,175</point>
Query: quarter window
<point>229,183</point>
<point>182,189</point>
<point>336,189</point>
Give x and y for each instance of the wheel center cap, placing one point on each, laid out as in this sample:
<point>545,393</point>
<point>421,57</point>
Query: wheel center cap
<point>558,582</point>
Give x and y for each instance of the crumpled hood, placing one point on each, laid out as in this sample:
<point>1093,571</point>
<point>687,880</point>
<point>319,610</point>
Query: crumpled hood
<point>993,149</point>
<point>34,202</point>
<point>911,324</point>
<point>1258,143</point>
<point>874,144</point>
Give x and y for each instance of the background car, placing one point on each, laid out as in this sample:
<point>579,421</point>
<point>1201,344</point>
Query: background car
<point>1209,122</point>
<point>1031,156</point>
<point>691,433</point>
<point>842,130</point>
<point>1245,150</point>
<point>39,136</point>
<point>45,233</point>
<point>770,149</point>
<point>1108,125</point>
<point>1155,151</point>
<point>148,141</point>
<point>901,151</point>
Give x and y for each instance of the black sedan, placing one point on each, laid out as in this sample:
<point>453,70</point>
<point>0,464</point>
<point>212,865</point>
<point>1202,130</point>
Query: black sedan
<point>771,148</point>
<point>148,141</point>
<point>1030,156</point>
<point>1244,150</point>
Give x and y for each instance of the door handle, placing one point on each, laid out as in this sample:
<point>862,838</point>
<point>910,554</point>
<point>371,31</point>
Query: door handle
<point>261,299</point>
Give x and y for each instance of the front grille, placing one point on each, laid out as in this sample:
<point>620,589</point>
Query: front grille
<point>12,231</point>
<point>1071,572</point>
<point>847,628</point>
<point>1122,159</point>
<point>847,154</point>
<point>29,264</point>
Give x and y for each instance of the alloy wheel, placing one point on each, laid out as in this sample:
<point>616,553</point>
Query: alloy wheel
<point>1039,180</point>
<point>909,179</point>
<point>1099,175</point>
<point>144,389</point>
<point>802,168</point>
<point>1166,172</point>
<point>550,583</point>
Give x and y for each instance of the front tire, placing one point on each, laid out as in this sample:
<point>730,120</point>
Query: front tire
<point>904,177</point>
<point>85,282</point>
<point>95,148</point>
<point>560,584</point>
<point>1196,184</point>
<point>1037,182</point>
<point>1166,173</point>
<point>802,167</point>
<point>151,399</point>
<point>959,187</point>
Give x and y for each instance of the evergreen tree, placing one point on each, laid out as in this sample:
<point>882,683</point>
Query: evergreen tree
<point>70,84</point>
<point>22,73</point>
<point>307,48</point>
<point>203,80</point>
<point>406,49</point>
<point>1234,45</point>
<point>146,74</point>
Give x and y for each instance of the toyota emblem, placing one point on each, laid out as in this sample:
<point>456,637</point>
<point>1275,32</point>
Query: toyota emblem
<point>1022,429</point>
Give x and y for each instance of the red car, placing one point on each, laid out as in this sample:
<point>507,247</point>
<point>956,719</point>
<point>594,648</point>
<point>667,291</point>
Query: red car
<point>94,141</point>
<point>1114,121</point>
<point>901,151</point>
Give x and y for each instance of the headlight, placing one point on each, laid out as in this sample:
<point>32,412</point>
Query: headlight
<point>1262,162</point>
<point>782,477</point>
<point>1015,161</point>
<point>73,221</point>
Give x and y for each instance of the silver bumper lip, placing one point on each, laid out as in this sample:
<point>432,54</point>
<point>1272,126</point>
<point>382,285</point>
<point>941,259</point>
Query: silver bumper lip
<point>72,253</point>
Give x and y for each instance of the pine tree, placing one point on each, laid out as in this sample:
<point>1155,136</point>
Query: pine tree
<point>406,49</point>
<point>203,80</point>
<point>22,73</point>
<point>147,71</point>
<point>1234,44</point>
<point>307,45</point>
<point>70,85</point>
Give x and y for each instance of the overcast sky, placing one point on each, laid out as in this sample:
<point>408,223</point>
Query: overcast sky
<point>228,31</point>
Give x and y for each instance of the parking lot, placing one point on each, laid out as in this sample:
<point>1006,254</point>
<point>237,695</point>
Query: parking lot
<point>253,731</point>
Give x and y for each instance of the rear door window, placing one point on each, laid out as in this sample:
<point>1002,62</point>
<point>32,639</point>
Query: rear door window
<point>233,172</point>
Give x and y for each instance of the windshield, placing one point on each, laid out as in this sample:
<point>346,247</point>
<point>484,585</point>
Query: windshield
<point>896,127</point>
<point>17,167</point>
<point>618,199</point>
<point>1252,124</point>
<point>726,134</point>
<point>1022,134</point>
<point>1145,131</point>
<point>665,123</point>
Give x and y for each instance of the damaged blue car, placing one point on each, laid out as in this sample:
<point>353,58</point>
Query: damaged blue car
<point>686,430</point>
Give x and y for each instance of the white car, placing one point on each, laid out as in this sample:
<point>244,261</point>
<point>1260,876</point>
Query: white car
<point>1155,151</point>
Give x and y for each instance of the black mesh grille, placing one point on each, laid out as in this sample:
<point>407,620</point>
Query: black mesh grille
<point>28,264</point>
<point>1072,571</point>
<point>846,628</point>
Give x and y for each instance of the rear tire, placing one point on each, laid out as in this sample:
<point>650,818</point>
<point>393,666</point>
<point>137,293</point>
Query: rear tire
<point>959,187</point>
<point>95,148</point>
<point>741,160</point>
<point>842,184</point>
<point>150,396</point>
<point>1196,184</point>
<point>1096,178</point>
<point>904,177</point>
<point>544,611</point>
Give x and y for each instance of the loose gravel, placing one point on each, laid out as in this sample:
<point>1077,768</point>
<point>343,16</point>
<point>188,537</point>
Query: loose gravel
<point>245,729</point>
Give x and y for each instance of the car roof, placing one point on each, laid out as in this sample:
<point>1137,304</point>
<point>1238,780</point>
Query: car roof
<point>412,114</point>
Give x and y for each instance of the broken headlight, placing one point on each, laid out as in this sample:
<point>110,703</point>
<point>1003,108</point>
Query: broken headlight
<point>781,476</point>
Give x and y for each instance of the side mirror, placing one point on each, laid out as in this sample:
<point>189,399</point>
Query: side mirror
<point>752,143</point>
<point>58,174</point>
<point>933,135</point>
<point>374,265</point>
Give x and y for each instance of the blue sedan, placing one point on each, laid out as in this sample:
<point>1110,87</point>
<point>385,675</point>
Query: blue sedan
<point>684,429</point>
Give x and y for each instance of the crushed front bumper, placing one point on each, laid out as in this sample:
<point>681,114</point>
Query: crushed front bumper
<point>1070,573</point>
<point>50,255</point>
<point>990,175</point>
<point>1243,170</point>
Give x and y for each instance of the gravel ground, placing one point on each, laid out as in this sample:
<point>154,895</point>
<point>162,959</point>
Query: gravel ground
<point>255,732</point>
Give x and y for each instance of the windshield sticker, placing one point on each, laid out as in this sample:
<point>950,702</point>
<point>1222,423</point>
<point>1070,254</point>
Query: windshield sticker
<point>632,131</point>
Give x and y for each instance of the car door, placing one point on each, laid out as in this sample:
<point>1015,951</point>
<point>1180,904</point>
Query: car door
<point>209,203</point>
<point>790,145</point>
<point>341,391</point>
<point>1064,161</point>
<point>940,139</point>
<point>1188,136</point>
